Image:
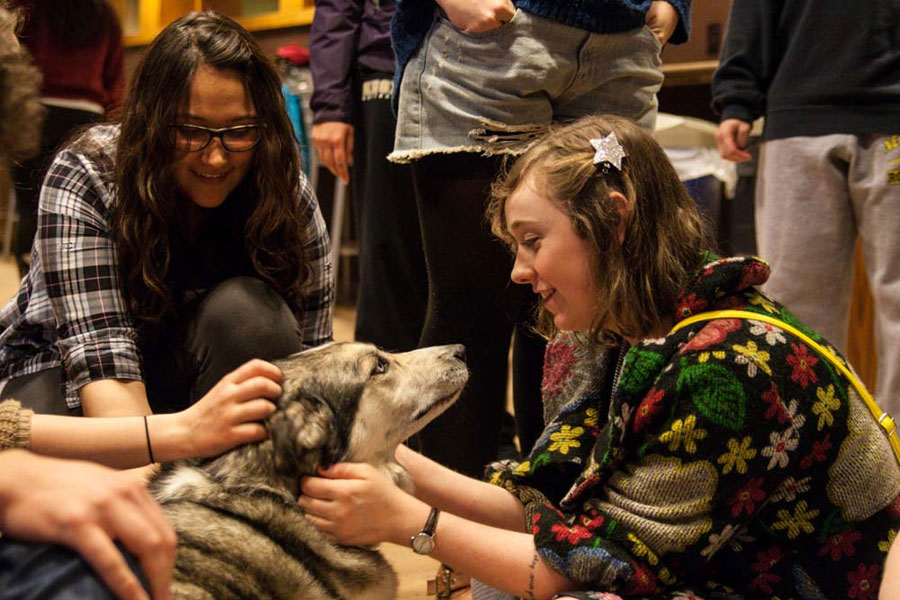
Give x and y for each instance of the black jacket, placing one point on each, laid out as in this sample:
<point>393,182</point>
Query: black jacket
<point>812,67</point>
<point>346,36</point>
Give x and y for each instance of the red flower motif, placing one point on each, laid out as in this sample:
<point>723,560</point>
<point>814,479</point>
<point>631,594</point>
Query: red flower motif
<point>755,273</point>
<point>592,519</point>
<point>864,582</point>
<point>817,454</point>
<point>776,406</point>
<point>559,358</point>
<point>745,499</point>
<point>642,581</point>
<point>690,304</point>
<point>593,524</point>
<point>763,582</point>
<point>535,528</point>
<point>767,559</point>
<point>714,332</point>
<point>647,409</point>
<point>802,363</point>
<point>841,544</point>
<point>571,534</point>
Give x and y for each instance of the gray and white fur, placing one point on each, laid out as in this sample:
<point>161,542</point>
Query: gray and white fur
<point>240,532</point>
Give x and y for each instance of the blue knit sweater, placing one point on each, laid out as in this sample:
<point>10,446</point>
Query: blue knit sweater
<point>413,19</point>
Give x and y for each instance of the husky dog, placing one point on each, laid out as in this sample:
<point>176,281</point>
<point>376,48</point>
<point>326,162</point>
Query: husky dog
<point>240,532</point>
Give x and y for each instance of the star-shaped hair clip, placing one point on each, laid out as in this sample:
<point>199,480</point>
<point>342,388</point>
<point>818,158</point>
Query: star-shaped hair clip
<point>609,152</point>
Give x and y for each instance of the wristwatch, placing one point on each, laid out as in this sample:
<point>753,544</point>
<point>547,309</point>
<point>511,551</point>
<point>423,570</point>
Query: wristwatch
<point>423,542</point>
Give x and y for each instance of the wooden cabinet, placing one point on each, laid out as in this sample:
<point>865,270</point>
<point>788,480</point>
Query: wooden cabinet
<point>143,19</point>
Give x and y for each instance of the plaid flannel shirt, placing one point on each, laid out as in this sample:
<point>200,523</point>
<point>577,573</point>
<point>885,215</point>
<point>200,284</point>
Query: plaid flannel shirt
<point>69,309</point>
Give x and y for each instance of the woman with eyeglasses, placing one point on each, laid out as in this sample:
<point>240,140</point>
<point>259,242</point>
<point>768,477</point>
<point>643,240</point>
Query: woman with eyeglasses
<point>174,245</point>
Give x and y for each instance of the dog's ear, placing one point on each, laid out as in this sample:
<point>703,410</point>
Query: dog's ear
<point>304,436</point>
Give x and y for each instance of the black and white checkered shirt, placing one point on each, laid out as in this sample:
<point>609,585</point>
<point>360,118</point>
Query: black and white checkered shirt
<point>69,309</point>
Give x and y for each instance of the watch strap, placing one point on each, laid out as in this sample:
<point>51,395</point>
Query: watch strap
<point>431,522</point>
<point>423,542</point>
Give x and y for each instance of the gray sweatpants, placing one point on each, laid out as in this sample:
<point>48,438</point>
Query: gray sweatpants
<point>813,196</point>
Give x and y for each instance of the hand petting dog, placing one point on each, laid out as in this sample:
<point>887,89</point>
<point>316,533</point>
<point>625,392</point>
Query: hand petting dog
<point>230,414</point>
<point>341,503</point>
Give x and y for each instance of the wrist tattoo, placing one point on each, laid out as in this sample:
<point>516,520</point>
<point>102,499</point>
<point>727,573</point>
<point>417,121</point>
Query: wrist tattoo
<point>529,593</point>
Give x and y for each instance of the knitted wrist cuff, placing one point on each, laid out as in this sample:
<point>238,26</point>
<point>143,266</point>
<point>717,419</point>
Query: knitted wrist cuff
<point>15,425</point>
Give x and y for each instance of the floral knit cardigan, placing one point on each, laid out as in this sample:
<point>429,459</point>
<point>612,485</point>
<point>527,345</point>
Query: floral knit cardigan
<point>732,462</point>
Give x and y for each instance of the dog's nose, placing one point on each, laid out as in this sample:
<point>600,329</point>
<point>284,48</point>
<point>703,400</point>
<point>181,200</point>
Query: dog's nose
<point>459,351</point>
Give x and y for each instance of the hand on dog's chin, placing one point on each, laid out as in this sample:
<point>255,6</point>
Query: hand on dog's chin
<point>353,492</point>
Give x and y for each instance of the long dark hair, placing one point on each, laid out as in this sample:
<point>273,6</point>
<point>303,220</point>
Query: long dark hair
<point>76,23</point>
<point>148,198</point>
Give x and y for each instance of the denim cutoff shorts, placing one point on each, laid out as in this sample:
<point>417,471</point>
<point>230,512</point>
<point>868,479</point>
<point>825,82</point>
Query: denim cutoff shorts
<point>495,92</point>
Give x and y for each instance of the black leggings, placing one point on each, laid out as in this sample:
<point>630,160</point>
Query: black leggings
<point>473,302</point>
<point>239,319</point>
<point>393,287</point>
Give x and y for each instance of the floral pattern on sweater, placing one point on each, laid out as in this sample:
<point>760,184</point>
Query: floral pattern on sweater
<point>731,462</point>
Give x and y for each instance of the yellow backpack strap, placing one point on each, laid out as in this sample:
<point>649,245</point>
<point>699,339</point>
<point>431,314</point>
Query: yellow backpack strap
<point>883,419</point>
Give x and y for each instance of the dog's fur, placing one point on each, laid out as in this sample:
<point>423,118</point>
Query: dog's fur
<point>240,533</point>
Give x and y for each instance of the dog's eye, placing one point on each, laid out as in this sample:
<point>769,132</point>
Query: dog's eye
<point>381,366</point>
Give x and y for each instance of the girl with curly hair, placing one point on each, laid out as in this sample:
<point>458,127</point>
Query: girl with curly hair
<point>173,245</point>
<point>699,440</point>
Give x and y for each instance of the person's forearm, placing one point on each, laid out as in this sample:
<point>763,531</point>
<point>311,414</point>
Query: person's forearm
<point>469,498</point>
<point>117,398</point>
<point>115,442</point>
<point>506,560</point>
<point>114,398</point>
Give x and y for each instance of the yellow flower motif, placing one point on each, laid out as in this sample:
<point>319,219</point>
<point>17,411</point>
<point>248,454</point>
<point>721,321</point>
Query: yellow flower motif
<point>565,439</point>
<point>523,468</point>
<point>752,356</point>
<point>737,456</point>
<point>641,549</point>
<point>757,299</point>
<point>592,417</point>
<point>683,431</point>
<point>704,356</point>
<point>495,478</point>
<point>666,576</point>
<point>826,403</point>
<point>885,545</point>
<point>799,521</point>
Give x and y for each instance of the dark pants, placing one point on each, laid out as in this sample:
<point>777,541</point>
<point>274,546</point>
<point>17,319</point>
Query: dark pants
<point>43,572</point>
<point>473,302</point>
<point>393,286</point>
<point>240,319</point>
<point>59,124</point>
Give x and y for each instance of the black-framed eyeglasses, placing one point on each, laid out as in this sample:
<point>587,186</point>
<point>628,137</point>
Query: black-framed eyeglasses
<point>193,138</point>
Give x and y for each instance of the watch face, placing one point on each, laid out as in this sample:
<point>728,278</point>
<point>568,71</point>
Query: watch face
<point>422,543</point>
